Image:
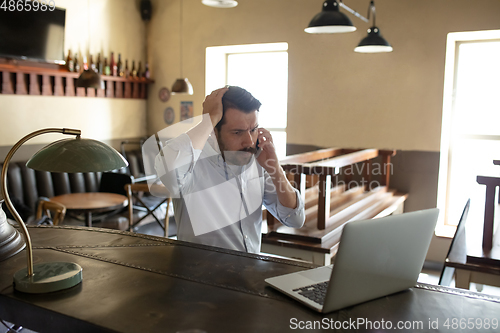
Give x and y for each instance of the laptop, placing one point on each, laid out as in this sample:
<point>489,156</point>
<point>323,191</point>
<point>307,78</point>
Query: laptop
<point>375,258</point>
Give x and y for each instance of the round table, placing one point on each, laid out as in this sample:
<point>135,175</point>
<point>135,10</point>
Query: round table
<point>91,202</point>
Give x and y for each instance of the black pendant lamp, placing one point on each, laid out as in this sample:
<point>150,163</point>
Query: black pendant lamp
<point>374,42</point>
<point>181,85</point>
<point>330,20</point>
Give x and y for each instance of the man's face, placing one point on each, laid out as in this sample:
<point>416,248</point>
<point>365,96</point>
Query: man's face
<point>237,137</point>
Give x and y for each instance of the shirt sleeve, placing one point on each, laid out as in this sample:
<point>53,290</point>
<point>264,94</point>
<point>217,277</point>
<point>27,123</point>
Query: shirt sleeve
<point>291,217</point>
<point>176,162</point>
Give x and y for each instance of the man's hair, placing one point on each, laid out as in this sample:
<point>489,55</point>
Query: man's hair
<point>240,99</point>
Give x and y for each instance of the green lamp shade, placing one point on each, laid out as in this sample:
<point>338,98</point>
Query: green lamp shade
<point>373,43</point>
<point>330,20</point>
<point>77,155</point>
<point>90,79</point>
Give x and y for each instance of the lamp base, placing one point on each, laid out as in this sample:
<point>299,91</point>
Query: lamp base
<point>48,277</point>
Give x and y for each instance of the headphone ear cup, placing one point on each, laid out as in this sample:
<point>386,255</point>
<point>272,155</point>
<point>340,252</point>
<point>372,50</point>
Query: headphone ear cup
<point>146,10</point>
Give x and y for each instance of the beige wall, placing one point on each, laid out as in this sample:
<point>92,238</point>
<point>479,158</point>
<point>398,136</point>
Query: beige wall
<point>98,118</point>
<point>115,25</point>
<point>336,96</point>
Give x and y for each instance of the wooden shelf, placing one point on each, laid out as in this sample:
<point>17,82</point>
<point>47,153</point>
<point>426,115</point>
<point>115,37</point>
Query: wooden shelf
<point>28,78</point>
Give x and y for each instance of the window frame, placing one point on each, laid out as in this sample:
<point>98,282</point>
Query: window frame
<point>454,40</point>
<point>216,61</point>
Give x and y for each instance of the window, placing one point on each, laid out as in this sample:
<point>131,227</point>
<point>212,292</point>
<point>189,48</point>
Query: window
<point>262,69</point>
<point>470,138</point>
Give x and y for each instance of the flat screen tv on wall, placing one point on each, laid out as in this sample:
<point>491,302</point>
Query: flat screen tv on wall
<point>33,35</point>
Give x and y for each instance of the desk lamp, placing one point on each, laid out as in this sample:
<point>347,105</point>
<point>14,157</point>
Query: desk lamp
<point>68,155</point>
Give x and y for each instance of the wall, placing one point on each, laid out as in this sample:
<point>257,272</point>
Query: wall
<point>336,96</point>
<point>114,25</point>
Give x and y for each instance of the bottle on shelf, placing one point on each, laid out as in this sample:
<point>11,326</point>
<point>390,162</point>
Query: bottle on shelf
<point>120,66</point>
<point>146,71</point>
<point>85,64</point>
<point>139,70</point>
<point>134,71</point>
<point>112,65</point>
<point>91,64</point>
<point>127,72</point>
<point>107,70</point>
<point>99,64</point>
<point>70,64</point>
<point>77,63</point>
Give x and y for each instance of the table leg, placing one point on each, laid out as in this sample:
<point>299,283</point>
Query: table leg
<point>489,213</point>
<point>462,279</point>
<point>88,219</point>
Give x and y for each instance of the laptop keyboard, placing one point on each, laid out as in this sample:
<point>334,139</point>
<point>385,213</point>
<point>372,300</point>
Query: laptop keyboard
<point>315,292</point>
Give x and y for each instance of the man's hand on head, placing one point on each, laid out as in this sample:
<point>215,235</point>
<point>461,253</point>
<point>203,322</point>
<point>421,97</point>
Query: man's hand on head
<point>267,157</point>
<point>213,105</point>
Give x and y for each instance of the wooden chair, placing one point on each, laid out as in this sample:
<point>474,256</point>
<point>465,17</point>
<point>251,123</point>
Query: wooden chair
<point>53,210</point>
<point>467,261</point>
<point>457,253</point>
<point>134,199</point>
<point>334,195</point>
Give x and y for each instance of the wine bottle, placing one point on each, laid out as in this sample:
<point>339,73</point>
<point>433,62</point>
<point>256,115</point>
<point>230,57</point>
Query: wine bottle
<point>85,64</point>
<point>91,64</point>
<point>107,70</point>
<point>120,66</point>
<point>112,65</point>
<point>127,72</point>
<point>139,70</point>
<point>99,64</point>
<point>70,64</point>
<point>134,71</point>
<point>77,63</point>
<point>146,71</point>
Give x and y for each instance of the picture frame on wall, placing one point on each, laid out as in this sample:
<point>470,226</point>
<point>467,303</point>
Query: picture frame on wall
<point>187,111</point>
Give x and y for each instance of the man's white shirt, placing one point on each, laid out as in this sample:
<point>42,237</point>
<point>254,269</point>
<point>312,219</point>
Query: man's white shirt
<point>216,203</point>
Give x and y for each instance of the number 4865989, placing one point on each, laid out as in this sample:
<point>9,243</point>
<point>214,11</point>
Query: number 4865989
<point>27,5</point>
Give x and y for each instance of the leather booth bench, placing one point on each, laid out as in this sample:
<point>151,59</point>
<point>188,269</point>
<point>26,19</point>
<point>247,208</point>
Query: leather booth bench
<point>26,185</point>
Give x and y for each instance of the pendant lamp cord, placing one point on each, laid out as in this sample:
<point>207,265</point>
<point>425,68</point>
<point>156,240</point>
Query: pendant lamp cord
<point>88,30</point>
<point>180,35</point>
<point>371,9</point>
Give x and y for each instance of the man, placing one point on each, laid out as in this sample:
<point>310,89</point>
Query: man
<point>221,172</point>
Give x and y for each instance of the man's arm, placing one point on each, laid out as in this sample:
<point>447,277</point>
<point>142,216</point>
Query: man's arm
<point>212,114</point>
<point>269,161</point>
<point>179,155</point>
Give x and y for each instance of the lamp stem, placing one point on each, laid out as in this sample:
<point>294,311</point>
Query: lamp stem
<point>8,202</point>
<point>353,12</point>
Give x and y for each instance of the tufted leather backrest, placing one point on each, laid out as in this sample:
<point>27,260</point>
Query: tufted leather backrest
<point>44,184</point>
<point>27,185</point>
